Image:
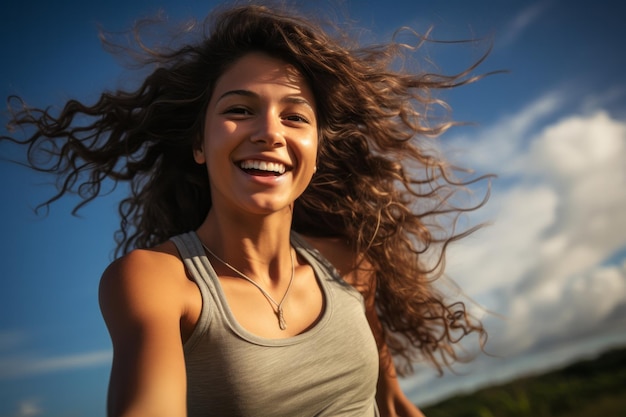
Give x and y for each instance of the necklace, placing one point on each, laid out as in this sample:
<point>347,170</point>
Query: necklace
<point>279,306</point>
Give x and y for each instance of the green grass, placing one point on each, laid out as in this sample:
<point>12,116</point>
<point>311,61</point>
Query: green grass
<point>589,388</point>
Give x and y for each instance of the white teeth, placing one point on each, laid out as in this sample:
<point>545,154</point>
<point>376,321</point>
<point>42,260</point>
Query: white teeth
<point>263,166</point>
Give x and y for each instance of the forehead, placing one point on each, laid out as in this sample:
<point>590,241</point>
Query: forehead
<point>258,71</point>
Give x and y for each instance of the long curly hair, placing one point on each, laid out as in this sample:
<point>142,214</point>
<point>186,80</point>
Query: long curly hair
<point>380,184</point>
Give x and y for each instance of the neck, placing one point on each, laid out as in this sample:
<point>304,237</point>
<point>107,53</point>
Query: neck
<point>259,246</point>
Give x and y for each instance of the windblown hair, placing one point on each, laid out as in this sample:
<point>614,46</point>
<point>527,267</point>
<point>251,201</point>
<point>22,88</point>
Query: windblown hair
<point>378,185</point>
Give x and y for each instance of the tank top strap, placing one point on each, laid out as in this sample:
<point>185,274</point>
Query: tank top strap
<point>201,272</point>
<point>312,255</point>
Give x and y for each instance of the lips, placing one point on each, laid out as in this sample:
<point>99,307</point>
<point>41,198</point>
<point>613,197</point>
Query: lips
<point>258,167</point>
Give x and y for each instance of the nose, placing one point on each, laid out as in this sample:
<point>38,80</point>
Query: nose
<point>269,131</point>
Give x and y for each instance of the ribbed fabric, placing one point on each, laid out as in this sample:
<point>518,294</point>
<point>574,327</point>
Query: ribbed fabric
<point>330,370</point>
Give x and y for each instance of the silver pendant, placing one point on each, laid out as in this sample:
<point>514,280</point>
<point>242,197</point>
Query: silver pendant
<point>281,319</point>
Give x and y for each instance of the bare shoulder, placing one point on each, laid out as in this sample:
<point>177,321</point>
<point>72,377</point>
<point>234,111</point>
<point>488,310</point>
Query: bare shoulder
<point>336,250</point>
<point>352,266</point>
<point>143,281</point>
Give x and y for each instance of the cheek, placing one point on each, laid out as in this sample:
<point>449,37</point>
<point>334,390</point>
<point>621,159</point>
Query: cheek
<point>312,146</point>
<point>217,139</point>
<point>309,157</point>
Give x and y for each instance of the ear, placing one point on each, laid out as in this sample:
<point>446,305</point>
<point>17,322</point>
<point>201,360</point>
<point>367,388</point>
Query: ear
<point>198,150</point>
<point>198,155</point>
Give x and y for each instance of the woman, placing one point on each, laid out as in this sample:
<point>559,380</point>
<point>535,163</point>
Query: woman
<point>282,209</point>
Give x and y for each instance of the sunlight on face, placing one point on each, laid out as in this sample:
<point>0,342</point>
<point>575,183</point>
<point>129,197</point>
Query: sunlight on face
<point>260,138</point>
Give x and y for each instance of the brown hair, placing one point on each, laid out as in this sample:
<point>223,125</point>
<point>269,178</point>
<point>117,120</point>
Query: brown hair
<point>378,185</point>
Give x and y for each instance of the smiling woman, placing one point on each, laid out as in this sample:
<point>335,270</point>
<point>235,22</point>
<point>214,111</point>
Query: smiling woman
<point>283,215</point>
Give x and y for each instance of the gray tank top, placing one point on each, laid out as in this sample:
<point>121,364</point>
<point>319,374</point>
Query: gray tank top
<point>330,370</point>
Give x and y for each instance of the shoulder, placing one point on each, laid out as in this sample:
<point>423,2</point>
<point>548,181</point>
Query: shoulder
<point>142,282</point>
<point>144,266</point>
<point>336,250</point>
<point>352,266</point>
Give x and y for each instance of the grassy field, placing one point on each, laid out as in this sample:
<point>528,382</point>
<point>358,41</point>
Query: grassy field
<point>593,388</point>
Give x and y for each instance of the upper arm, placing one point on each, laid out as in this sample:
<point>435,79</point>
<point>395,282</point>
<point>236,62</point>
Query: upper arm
<point>142,304</point>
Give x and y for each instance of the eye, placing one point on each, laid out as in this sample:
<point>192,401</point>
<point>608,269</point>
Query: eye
<point>297,118</point>
<point>239,111</point>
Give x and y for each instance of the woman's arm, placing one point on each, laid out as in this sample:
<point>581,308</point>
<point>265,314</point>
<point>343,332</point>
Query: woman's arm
<point>391,400</point>
<point>142,304</point>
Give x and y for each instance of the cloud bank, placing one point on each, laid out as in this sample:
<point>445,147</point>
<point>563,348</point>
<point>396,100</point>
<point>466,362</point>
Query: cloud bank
<point>553,263</point>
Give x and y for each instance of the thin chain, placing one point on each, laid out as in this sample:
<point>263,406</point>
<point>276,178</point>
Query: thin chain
<point>279,306</point>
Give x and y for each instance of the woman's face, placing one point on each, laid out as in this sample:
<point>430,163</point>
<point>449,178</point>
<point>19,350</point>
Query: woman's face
<point>260,136</point>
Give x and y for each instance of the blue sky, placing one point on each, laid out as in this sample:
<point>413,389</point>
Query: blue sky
<point>551,268</point>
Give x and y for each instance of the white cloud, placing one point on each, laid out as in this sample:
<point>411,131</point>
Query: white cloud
<point>499,256</point>
<point>579,146</point>
<point>547,263</point>
<point>584,160</point>
<point>524,19</point>
<point>556,222</point>
<point>556,312</point>
<point>500,148</point>
<point>569,291</point>
<point>20,366</point>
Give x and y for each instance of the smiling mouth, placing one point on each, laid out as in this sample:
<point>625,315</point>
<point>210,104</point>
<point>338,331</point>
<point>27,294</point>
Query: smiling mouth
<point>255,167</point>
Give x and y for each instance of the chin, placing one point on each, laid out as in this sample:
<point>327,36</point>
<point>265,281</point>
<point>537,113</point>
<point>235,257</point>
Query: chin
<point>267,207</point>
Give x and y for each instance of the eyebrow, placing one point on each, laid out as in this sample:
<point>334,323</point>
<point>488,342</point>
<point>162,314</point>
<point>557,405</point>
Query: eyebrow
<point>251,94</point>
